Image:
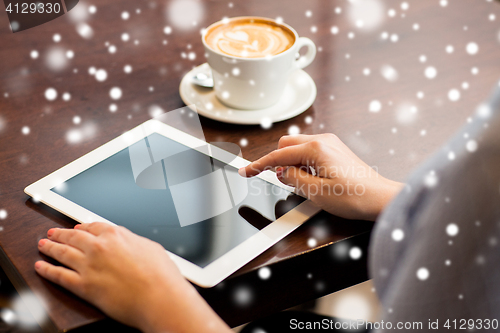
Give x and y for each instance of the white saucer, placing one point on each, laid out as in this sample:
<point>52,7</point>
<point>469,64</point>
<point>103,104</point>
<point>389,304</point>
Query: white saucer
<point>299,94</point>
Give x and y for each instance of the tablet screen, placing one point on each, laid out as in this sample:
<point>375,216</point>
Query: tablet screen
<point>195,206</point>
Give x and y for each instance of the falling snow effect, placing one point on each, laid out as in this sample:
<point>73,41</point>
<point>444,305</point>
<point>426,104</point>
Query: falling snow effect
<point>366,15</point>
<point>185,14</point>
<point>351,306</point>
<point>74,136</point>
<point>243,142</point>
<point>375,106</point>
<point>55,59</point>
<point>355,253</point>
<point>81,13</point>
<point>264,273</point>
<point>8,316</point>
<point>115,93</point>
<point>340,251</point>
<point>312,242</point>
<point>397,235</point>
<point>361,18</point>
<point>243,296</point>
<point>431,179</point>
<point>389,73</point>
<point>50,94</point>
<point>423,273</point>
<point>3,124</point>
<point>452,229</point>
<point>406,113</point>
<point>293,130</point>
<point>78,135</point>
<point>472,48</point>
<point>266,123</point>
<point>471,146</point>
<point>155,111</point>
<point>101,75</point>
<point>430,72</point>
<point>85,30</point>
<point>484,111</point>
<point>454,95</point>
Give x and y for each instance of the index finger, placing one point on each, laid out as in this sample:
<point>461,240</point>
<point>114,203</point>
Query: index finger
<point>94,228</point>
<point>293,155</point>
<point>293,140</point>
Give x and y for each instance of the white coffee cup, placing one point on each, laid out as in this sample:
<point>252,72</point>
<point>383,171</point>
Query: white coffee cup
<point>255,83</point>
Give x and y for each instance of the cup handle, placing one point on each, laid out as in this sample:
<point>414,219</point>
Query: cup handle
<point>306,59</point>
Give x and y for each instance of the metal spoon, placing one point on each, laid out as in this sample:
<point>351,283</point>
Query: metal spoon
<point>203,80</point>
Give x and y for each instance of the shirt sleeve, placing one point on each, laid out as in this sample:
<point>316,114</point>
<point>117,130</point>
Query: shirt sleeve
<point>434,252</point>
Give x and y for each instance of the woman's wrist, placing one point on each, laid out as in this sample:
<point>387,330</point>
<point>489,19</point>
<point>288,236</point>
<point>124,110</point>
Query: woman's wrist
<point>380,195</point>
<point>186,311</point>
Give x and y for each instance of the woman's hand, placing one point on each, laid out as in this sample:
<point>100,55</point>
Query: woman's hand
<point>324,169</point>
<point>130,278</point>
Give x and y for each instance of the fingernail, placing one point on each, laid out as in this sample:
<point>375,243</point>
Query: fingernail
<point>41,242</point>
<point>50,232</point>
<point>38,264</point>
<point>77,226</point>
<point>279,172</point>
<point>242,172</point>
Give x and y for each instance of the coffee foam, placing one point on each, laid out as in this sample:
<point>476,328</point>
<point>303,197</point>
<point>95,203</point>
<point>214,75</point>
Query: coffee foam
<point>249,39</point>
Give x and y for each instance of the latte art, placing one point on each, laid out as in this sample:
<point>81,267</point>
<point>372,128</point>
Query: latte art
<point>249,39</point>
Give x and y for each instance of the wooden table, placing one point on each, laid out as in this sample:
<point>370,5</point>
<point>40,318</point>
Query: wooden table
<point>385,60</point>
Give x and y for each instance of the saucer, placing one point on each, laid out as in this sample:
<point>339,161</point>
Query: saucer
<point>298,96</point>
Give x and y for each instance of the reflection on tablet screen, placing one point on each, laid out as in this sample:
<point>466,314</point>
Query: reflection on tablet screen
<point>195,206</point>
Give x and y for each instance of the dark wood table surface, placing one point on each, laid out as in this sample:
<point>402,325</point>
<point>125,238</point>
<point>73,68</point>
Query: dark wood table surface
<point>375,52</point>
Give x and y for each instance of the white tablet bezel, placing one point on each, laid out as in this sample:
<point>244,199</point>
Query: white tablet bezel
<point>219,269</point>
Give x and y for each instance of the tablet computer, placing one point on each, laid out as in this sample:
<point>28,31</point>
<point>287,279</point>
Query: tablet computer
<point>175,189</point>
